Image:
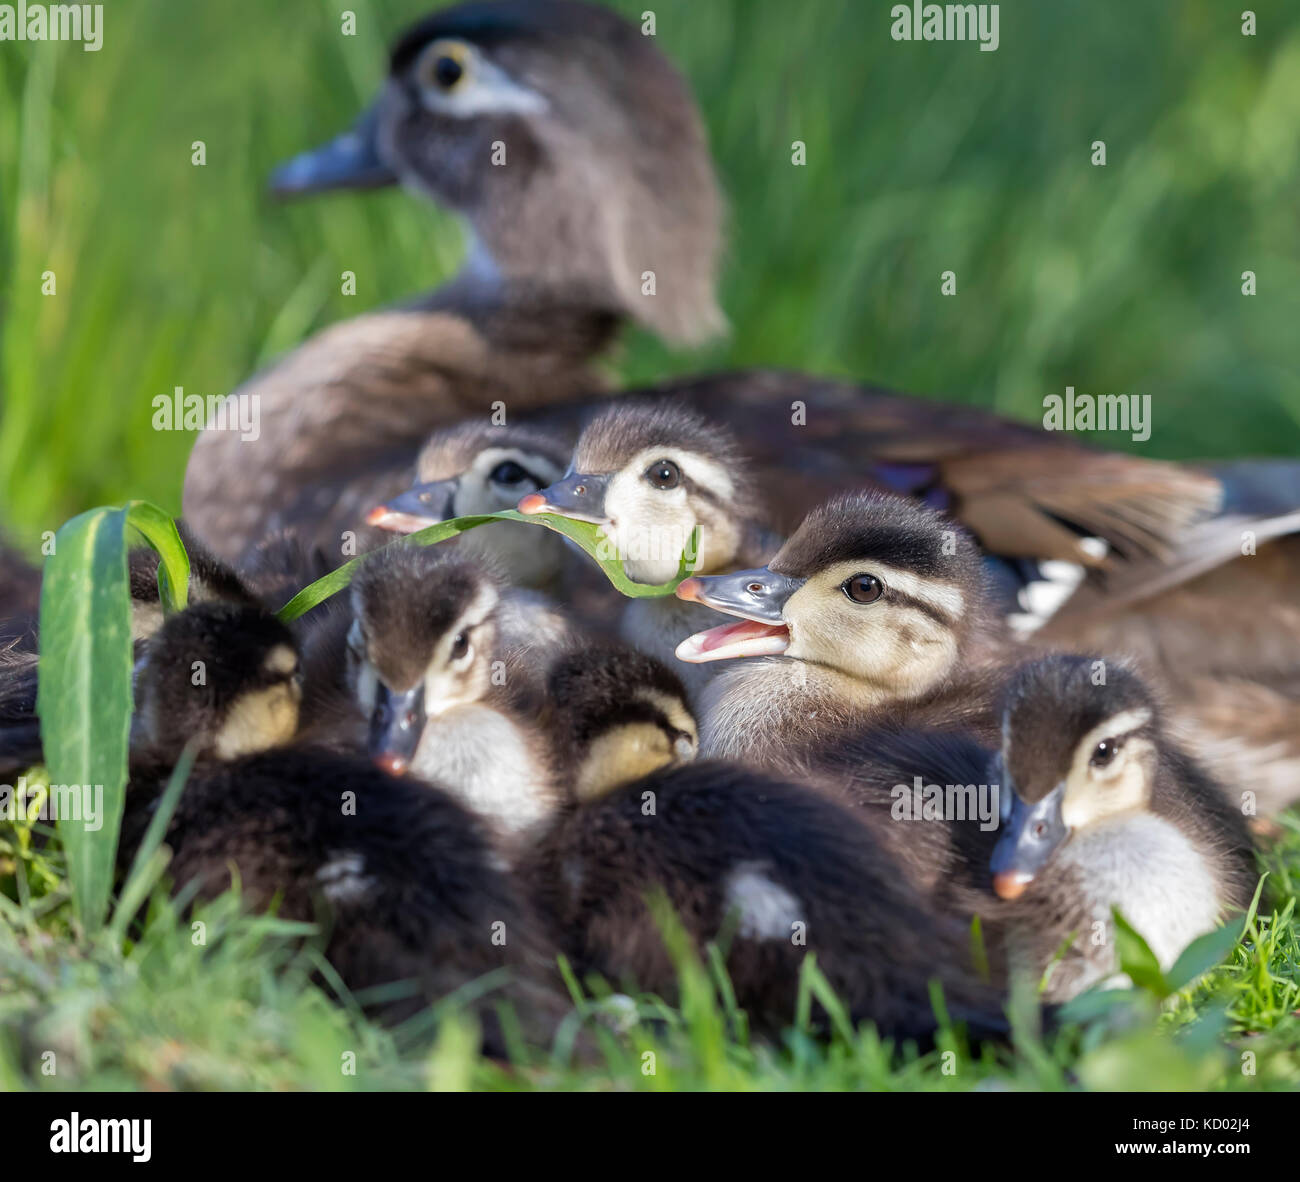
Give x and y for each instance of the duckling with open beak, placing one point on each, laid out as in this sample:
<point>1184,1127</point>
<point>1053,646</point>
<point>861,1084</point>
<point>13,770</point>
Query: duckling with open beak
<point>874,605</point>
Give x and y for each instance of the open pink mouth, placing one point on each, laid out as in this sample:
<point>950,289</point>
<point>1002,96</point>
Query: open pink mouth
<point>745,638</point>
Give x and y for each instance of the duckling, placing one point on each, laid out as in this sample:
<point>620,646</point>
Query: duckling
<point>649,475</point>
<point>765,868</point>
<point>481,468</point>
<point>594,118</point>
<point>443,698</point>
<point>874,606</point>
<point>1101,810</point>
<point>403,878</point>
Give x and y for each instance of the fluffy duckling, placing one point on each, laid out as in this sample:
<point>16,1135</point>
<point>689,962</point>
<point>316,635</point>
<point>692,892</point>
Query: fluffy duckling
<point>766,869</point>
<point>649,475</point>
<point>482,468</point>
<point>1100,810</point>
<point>874,604</point>
<point>444,697</point>
<point>403,878</point>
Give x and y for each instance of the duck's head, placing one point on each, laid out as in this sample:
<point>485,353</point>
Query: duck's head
<point>569,142</point>
<point>422,644</point>
<point>622,715</point>
<point>219,673</point>
<point>875,586</point>
<point>648,476</point>
<point>1080,745</point>
<point>477,468</point>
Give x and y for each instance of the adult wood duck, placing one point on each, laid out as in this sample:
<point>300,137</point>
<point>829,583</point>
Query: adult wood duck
<point>608,177</point>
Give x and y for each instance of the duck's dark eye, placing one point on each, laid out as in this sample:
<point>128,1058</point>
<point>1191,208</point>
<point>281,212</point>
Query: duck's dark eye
<point>863,588</point>
<point>460,646</point>
<point>507,472</point>
<point>664,474</point>
<point>1104,753</point>
<point>447,71</point>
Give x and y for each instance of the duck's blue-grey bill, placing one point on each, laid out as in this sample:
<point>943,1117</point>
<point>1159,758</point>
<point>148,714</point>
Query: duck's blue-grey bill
<point>349,161</point>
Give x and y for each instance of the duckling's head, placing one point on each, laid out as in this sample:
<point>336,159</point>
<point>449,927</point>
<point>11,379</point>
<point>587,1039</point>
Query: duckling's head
<point>621,715</point>
<point>649,475</point>
<point>875,586</point>
<point>568,141</point>
<point>1080,746</point>
<point>221,673</point>
<point>422,643</point>
<point>480,468</point>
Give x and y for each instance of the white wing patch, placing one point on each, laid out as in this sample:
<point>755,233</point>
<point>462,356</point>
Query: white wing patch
<point>767,910</point>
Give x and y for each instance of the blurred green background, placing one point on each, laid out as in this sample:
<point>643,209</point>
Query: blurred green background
<point>921,158</point>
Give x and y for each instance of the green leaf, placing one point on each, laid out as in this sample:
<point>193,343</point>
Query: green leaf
<point>1202,954</point>
<point>1136,958</point>
<point>84,695</point>
<point>582,533</point>
<point>159,530</point>
<point>149,861</point>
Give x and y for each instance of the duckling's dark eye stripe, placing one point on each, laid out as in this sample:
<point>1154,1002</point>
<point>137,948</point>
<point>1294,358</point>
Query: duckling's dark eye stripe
<point>937,614</point>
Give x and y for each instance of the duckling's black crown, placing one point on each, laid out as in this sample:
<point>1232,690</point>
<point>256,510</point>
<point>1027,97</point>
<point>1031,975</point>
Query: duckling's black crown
<point>1049,706</point>
<point>870,526</point>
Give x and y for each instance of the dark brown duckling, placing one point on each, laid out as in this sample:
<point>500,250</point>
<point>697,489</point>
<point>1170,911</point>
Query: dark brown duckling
<point>767,869</point>
<point>402,878</point>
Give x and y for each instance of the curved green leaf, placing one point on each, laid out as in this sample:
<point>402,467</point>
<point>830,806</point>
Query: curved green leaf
<point>582,533</point>
<point>159,530</point>
<point>84,697</point>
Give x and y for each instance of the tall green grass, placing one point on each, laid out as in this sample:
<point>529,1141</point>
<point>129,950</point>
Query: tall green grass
<point>921,158</point>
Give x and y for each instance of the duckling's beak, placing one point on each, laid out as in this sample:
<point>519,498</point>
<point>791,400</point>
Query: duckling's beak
<point>578,496</point>
<point>395,727</point>
<point>349,161</point>
<point>1031,834</point>
<point>420,506</point>
<point>757,596</point>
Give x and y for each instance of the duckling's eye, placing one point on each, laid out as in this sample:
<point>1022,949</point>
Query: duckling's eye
<point>664,474</point>
<point>460,646</point>
<point>1104,753</point>
<point>507,472</point>
<point>863,588</point>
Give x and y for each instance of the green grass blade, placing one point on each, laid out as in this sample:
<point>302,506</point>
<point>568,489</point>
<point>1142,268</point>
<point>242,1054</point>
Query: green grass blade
<point>145,868</point>
<point>583,533</point>
<point>84,693</point>
<point>160,532</point>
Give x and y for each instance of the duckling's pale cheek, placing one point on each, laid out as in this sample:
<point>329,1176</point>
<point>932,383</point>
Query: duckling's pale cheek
<point>259,721</point>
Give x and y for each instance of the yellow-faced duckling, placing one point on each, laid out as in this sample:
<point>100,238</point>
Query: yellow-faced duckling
<point>403,878</point>
<point>766,869</point>
<point>874,605</point>
<point>649,475</point>
<point>1099,811</point>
